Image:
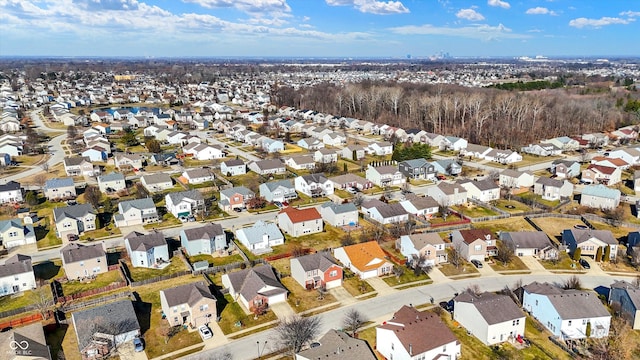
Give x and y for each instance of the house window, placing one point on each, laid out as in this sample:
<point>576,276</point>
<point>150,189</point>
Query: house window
<point>569,323</point>
<point>204,307</point>
<point>428,252</point>
<point>81,263</point>
<point>584,321</point>
<point>333,273</point>
<point>66,225</point>
<point>97,260</point>
<point>175,309</point>
<point>16,278</point>
<point>13,233</point>
<point>478,248</point>
<point>391,346</point>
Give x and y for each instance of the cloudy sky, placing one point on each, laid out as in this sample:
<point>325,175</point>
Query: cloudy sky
<point>316,28</point>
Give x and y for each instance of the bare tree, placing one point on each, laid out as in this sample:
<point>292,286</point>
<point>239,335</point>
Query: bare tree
<point>398,271</point>
<point>473,289</point>
<point>45,166</point>
<point>347,239</point>
<point>353,321</point>
<point>40,180</point>
<point>572,283</point>
<point>455,255</point>
<point>505,252</point>
<point>295,332</point>
<point>93,195</point>
<point>358,199</point>
<point>41,299</point>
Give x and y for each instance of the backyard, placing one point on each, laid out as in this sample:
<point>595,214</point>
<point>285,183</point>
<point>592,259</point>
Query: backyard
<point>105,279</point>
<point>510,224</point>
<point>216,260</point>
<point>512,206</point>
<point>142,273</point>
<point>474,211</point>
<point>553,226</point>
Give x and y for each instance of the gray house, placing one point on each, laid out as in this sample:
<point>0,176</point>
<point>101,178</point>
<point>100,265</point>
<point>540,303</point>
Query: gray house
<point>55,189</point>
<point>530,243</point>
<point>156,182</point>
<point>339,214</point>
<point>447,167</point>
<point>627,297</point>
<point>206,239</point>
<point>552,189</point>
<point>417,169</point>
<point>279,190</point>
<point>136,212</point>
<point>111,183</point>
<point>74,220</point>
<point>565,169</point>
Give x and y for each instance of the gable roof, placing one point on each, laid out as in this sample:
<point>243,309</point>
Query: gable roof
<point>301,215</point>
<point>157,178</point>
<point>10,186</point>
<point>76,160</point>
<point>582,235</point>
<point>198,173</point>
<point>75,252</point>
<point>58,183</point>
<point>113,176</point>
<point>529,239</point>
<point>317,261</point>
<point>74,212</point>
<point>233,162</point>
<point>176,197</point>
<point>315,178</point>
<point>118,317</point>
<point>187,294</point>
<point>236,190</point>
<point>364,255</point>
<point>140,204</point>
<point>141,242</point>
<point>601,191</point>
<point>339,208</point>
<point>273,185</point>
<point>421,240</point>
<point>255,233</point>
<point>205,232</point>
<point>250,281</point>
<point>571,304</point>
<point>336,345</point>
<point>17,264</point>
<point>494,308</point>
<point>269,164</point>
<point>471,235</point>
<point>32,335</point>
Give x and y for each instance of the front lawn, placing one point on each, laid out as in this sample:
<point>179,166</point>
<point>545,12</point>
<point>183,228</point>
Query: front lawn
<point>564,262</point>
<point>100,233</point>
<point>514,264</point>
<point>329,238</point>
<point>168,220</point>
<point>142,273</point>
<point>105,279</point>
<point>355,286</point>
<point>301,299</point>
<point>233,317</point>
<point>465,268</point>
<point>407,277</point>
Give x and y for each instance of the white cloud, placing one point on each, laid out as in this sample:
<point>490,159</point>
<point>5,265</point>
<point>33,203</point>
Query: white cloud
<point>540,11</point>
<point>631,14</point>
<point>250,6</point>
<point>499,3</point>
<point>469,14</point>
<point>306,18</point>
<point>372,6</point>
<point>482,32</point>
<point>597,23</point>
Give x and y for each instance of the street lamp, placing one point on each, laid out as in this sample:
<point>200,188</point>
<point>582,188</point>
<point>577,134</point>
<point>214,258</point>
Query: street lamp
<point>264,346</point>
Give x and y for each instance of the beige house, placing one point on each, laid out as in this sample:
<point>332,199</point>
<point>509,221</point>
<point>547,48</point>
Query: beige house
<point>74,220</point>
<point>299,222</point>
<point>188,304</point>
<point>80,261</point>
<point>474,244</point>
<point>428,246</point>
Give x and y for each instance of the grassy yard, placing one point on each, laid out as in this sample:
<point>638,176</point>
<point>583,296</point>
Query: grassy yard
<point>64,339</point>
<point>233,317</point>
<point>407,277</point>
<point>622,265</point>
<point>369,335</point>
<point>465,268</point>
<point>619,232</point>
<point>216,260</point>
<point>301,299</point>
<point>474,211</point>
<point>513,206</point>
<point>355,286</point>
<point>514,264</point>
<point>564,263</point>
<point>16,301</point>
<point>101,280</point>
<point>48,270</point>
<point>539,200</point>
<point>553,227</point>
<point>140,273</point>
<point>100,233</point>
<point>49,238</point>
<point>29,160</point>
<point>330,237</point>
<point>510,224</point>
<point>167,220</point>
<point>540,340</point>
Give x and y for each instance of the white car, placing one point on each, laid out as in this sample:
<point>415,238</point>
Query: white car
<point>205,332</point>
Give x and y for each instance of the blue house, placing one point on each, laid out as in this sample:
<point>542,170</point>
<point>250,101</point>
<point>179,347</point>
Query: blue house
<point>204,240</point>
<point>271,145</point>
<point>5,159</point>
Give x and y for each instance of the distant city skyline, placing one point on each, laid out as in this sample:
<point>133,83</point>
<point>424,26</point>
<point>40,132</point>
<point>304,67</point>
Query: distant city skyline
<point>318,28</point>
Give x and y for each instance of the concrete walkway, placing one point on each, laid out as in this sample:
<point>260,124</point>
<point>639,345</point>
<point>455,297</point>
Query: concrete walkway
<point>380,286</point>
<point>218,338</point>
<point>282,310</point>
<point>534,265</point>
<point>342,296</point>
<point>437,276</point>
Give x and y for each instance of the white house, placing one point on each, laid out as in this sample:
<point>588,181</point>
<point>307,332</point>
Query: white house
<point>233,167</point>
<point>314,185</point>
<point>184,203</point>
<point>339,214</point>
<point>299,222</point>
<point>482,190</point>
<point>260,237</point>
<point>383,176</point>
<point>16,275</point>
<point>149,251</point>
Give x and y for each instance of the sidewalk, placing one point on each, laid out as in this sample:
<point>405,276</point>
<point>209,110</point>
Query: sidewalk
<point>380,286</point>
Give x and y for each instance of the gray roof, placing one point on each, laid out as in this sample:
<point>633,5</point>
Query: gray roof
<point>254,233</point>
<point>17,264</point>
<point>113,176</point>
<point>577,304</point>
<point>601,191</point>
<point>315,178</point>
<point>386,210</point>
<point>449,188</point>
<point>73,212</point>
<point>198,173</point>
<point>206,232</point>
<point>512,173</point>
<point>340,208</point>
<point>581,235</point>
<point>8,224</point>
<point>423,202</point>
<point>349,178</point>
<point>386,169</point>
<point>249,282</point>
<point>549,182</point>
<point>421,240</point>
<point>158,178</point>
<point>114,318</point>
<point>632,291</point>
<point>75,252</point>
<point>76,160</point>
<point>237,190</point>
<point>317,261</point>
<point>32,335</point>
<point>482,185</point>
<point>233,162</point>
<point>494,308</point>
<point>187,294</point>
<point>176,197</point>
<point>528,239</point>
<point>272,185</point>
<point>10,186</point>
<point>140,242</point>
<point>338,345</point>
<point>140,204</point>
<point>415,163</point>
<point>269,164</point>
<point>58,183</point>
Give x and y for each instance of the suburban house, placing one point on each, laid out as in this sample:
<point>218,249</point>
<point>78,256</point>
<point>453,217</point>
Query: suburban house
<point>299,222</point>
<point>148,251</point>
<point>563,142</point>
<point>426,246</point>
<point>267,167</point>
<point>565,169</point>
<point>191,304</point>
<point>325,156</point>
<point>600,197</point>
<point>279,190</point>
<point>337,344</point>
<point>417,169</point>
<point>567,313</point>
<point>74,220</point>
<point>589,241</point>
<point>420,206</point>
<point>553,189</point>
<point>449,167</point>
<point>103,328</point>
<point>13,233</point>
<point>32,338</point>
<point>339,214</point>
<point>514,179</point>
<point>80,166</point>
<point>11,192</point>
<point>386,175</point>
<point>353,152</point>
<point>111,183</point>
<point>16,275</point>
<point>125,161</point>
<point>366,259</point>
<point>411,334</point>
<point>482,190</point>
<point>310,143</point>
<point>347,181</point>
<point>184,203</point>
<point>202,152</point>
<point>626,298</point>
<point>630,155</point>
<point>542,150</point>
<point>610,162</point>
<point>156,182</point>
<point>300,162</point>
<point>334,139</point>
<point>380,148</point>
<point>197,176</point>
<point>598,174</point>
<point>206,239</point>
<point>314,185</point>
<point>530,243</point>
<point>233,167</point>
<point>453,143</point>
<point>235,197</point>
<point>475,151</point>
<point>59,189</point>
<point>384,213</point>
<point>474,244</point>
<point>256,287</point>
<point>448,194</point>
<point>136,212</point>
<point>260,237</point>
<point>318,270</point>
<point>490,317</point>
<point>503,156</point>
<point>81,261</point>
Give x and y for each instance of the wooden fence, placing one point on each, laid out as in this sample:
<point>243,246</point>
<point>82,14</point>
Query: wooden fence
<point>160,278</point>
<point>25,320</point>
<point>22,310</point>
<point>87,293</point>
<point>97,301</point>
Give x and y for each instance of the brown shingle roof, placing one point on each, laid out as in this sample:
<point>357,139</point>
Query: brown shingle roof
<point>471,235</point>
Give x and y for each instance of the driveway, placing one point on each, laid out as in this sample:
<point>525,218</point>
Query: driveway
<point>126,351</point>
<point>437,276</point>
<point>533,264</point>
<point>486,270</point>
<point>342,296</point>
<point>595,267</point>
<point>282,310</point>
<point>380,286</point>
<point>218,338</point>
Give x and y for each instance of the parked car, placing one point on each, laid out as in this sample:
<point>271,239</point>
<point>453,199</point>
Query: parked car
<point>237,210</point>
<point>205,332</point>
<point>138,344</point>
<point>585,264</point>
<point>477,263</point>
<point>352,190</point>
<point>278,204</point>
<point>183,219</point>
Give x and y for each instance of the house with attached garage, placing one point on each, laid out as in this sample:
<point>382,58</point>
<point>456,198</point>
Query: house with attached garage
<point>417,169</point>
<point>491,318</point>
<point>136,212</point>
<point>80,261</point>
<point>156,182</point>
<point>339,214</point>
<point>279,190</point>
<point>367,260</point>
<point>207,239</point>
<point>318,270</point>
<point>16,275</point>
<point>453,143</point>
<point>112,183</point>
<point>630,155</point>
<point>626,297</point>
<point>255,287</point>
<point>530,243</point>
<point>184,203</point>
<point>503,156</point>
<point>80,166</point>
<point>542,149</point>
<point>380,148</point>
<point>128,161</point>
<point>428,246</point>
<point>482,190</point>
<point>563,142</point>
<point>567,314</point>
<point>514,179</point>
<point>58,189</point>
<point>598,174</point>
<point>71,221</point>
<point>565,169</point>
<point>553,189</point>
<point>260,237</point>
<point>334,139</point>
<point>271,145</point>
<point>386,175</point>
<point>337,344</point>
<point>600,197</point>
<point>267,167</point>
<point>301,162</point>
<point>448,167</point>
<point>349,180</point>
<point>203,152</point>
<point>310,143</point>
<point>421,206</point>
<point>589,241</point>
<point>411,334</point>
<point>11,192</point>
<point>95,153</point>
<point>189,304</point>
<point>475,244</point>
<point>353,152</point>
<point>384,213</point>
<point>610,162</point>
<point>13,233</point>
<point>299,222</point>
<point>233,167</point>
<point>476,151</point>
<point>147,251</point>
<point>314,185</point>
<point>325,156</point>
<point>235,197</point>
<point>197,176</point>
